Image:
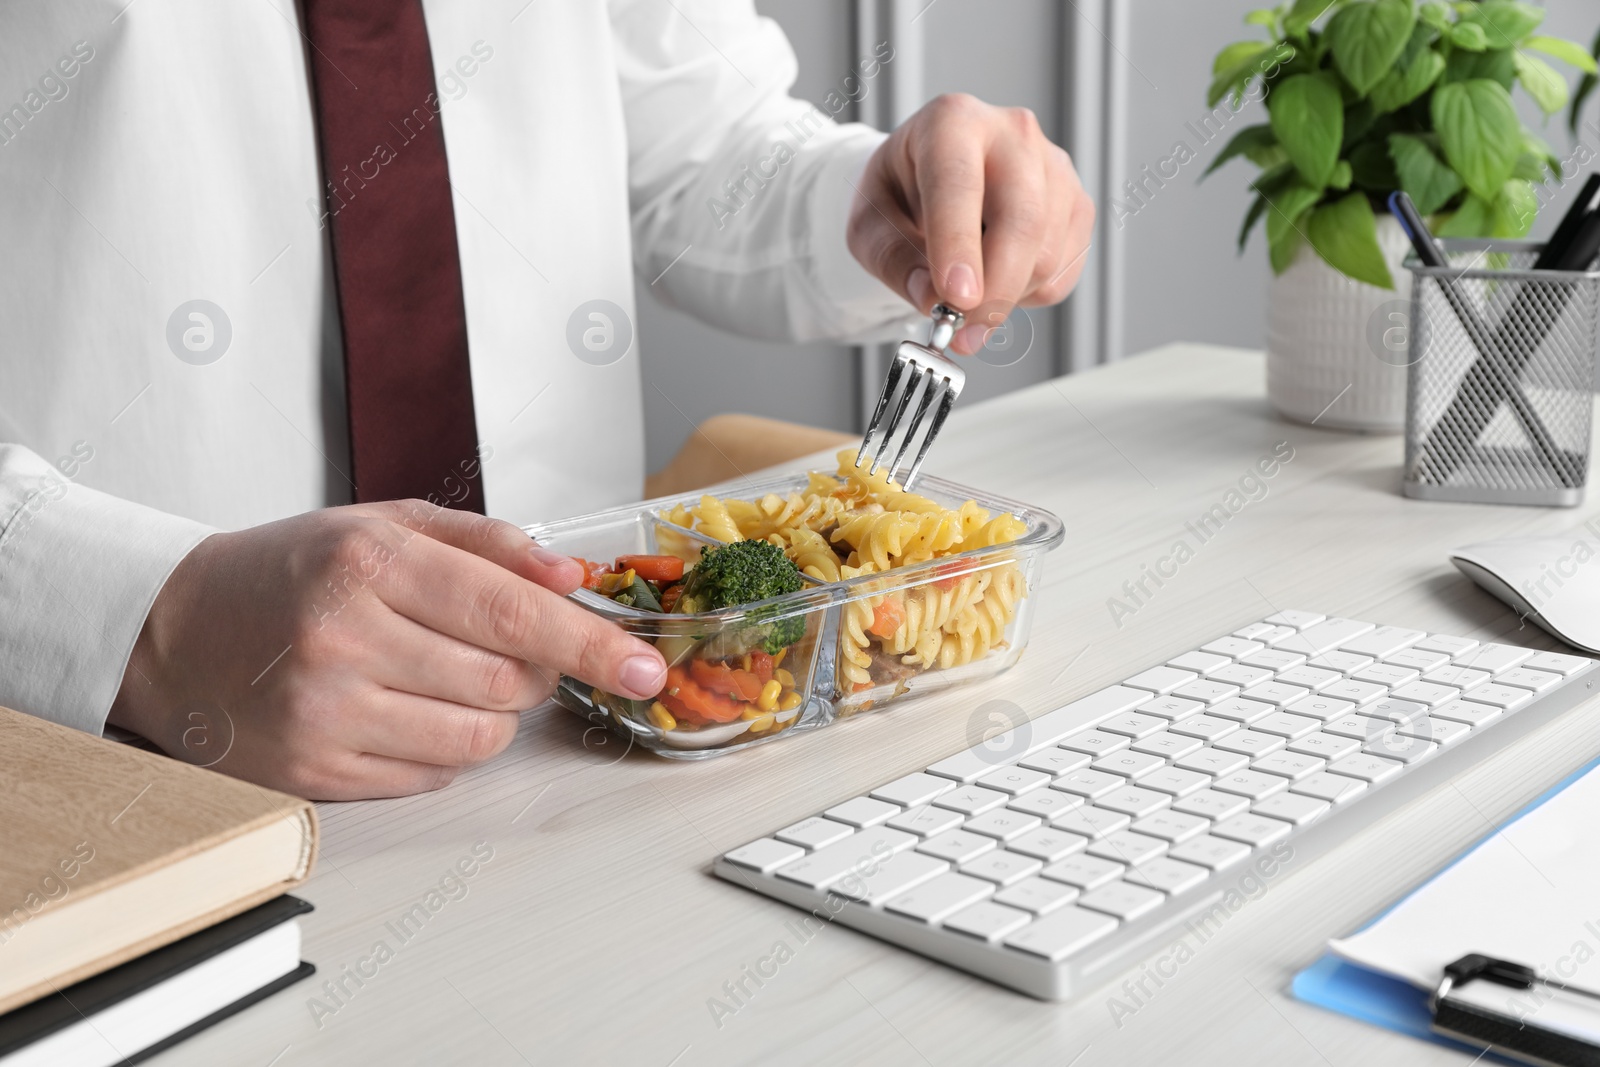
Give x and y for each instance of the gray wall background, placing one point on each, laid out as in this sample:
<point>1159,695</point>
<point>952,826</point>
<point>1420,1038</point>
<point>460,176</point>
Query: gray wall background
<point>1179,276</point>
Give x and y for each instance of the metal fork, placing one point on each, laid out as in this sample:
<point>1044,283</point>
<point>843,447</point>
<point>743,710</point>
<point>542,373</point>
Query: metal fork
<point>924,367</point>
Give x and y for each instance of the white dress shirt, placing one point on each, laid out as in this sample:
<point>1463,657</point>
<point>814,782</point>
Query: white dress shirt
<point>160,152</point>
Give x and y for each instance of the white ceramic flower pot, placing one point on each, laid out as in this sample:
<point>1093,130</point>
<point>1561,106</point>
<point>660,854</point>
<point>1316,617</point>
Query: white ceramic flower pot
<point>1336,347</point>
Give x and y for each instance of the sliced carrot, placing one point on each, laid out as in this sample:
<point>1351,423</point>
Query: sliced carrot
<point>887,617</point>
<point>725,680</point>
<point>694,703</point>
<point>652,568</point>
<point>592,572</point>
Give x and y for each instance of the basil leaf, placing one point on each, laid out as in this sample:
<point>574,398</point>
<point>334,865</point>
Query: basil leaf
<point>1495,65</point>
<point>1371,168</point>
<point>1342,175</point>
<point>1251,217</point>
<point>1505,22</point>
<point>1368,37</point>
<point>1471,219</point>
<point>1345,235</point>
<point>1480,132</point>
<point>1234,78</point>
<point>1285,228</point>
<point>1513,211</point>
<point>1307,115</point>
<point>1548,89</point>
<point>1423,176</point>
<point>1247,141</point>
<point>1435,14</point>
<point>1303,14</point>
<point>1469,36</point>
<point>1566,51</point>
<point>1399,87</point>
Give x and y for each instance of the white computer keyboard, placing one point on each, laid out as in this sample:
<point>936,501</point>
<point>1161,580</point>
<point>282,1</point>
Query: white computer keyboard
<point>1050,857</point>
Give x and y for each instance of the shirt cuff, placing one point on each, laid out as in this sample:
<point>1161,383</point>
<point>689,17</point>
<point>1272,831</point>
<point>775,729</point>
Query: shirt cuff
<point>79,570</point>
<point>868,309</point>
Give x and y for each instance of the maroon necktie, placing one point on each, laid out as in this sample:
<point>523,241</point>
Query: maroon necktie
<point>407,379</point>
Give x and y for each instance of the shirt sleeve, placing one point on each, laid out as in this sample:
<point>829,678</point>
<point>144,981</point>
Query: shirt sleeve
<point>79,570</point>
<point>739,192</point>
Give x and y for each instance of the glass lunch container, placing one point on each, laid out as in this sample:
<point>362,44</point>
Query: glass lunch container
<point>970,615</point>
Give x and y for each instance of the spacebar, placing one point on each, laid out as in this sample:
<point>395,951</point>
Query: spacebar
<point>1038,733</point>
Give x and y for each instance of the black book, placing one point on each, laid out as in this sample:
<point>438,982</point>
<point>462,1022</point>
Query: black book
<point>133,1011</point>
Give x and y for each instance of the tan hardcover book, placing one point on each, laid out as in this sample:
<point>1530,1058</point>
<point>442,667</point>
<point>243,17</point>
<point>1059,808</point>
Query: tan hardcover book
<point>107,852</point>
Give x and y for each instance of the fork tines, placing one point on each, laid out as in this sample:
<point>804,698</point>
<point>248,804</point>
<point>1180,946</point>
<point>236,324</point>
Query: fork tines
<point>926,375</point>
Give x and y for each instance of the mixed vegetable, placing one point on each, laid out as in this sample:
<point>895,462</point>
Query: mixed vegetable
<point>738,672</point>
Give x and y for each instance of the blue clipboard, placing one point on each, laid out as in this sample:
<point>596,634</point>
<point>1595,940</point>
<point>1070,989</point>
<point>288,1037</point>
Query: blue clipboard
<point>1372,997</point>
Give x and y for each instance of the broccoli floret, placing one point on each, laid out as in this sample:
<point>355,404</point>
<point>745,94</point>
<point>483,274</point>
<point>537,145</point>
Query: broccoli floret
<point>740,573</point>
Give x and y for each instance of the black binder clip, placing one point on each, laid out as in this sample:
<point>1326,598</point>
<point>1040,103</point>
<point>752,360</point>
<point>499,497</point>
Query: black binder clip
<point>1518,1035</point>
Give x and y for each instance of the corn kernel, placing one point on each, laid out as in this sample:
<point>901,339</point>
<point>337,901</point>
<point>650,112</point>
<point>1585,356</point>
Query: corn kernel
<point>763,724</point>
<point>750,714</point>
<point>777,660</point>
<point>784,678</point>
<point>790,701</point>
<point>744,661</point>
<point>768,700</point>
<point>661,718</point>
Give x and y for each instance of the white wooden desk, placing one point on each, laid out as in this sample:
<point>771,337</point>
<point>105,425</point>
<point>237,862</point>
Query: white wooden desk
<point>596,935</point>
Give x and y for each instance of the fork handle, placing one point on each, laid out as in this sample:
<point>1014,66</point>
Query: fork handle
<point>946,321</point>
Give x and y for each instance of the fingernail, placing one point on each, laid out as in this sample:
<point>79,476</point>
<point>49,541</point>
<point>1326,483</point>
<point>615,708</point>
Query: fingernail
<point>962,285</point>
<point>543,555</point>
<point>919,283</point>
<point>970,338</point>
<point>643,675</point>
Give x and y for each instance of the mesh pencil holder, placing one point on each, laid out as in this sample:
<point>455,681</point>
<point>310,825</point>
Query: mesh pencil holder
<point>1502,366</point>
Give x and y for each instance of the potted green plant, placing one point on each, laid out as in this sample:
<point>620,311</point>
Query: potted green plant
<point>1364,97</point>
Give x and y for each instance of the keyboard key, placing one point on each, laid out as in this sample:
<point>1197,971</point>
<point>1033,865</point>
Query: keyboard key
<point>1467,711</point>
<point>926,820</point>
<point>1442,731</point>
<point>1089,783</point>
<point>858,852</point>
<point>1325,785</point>
<point>1212,804</point>
<point>1372,769</point>
<point>1054,761</point>
<point>814,832</point>
<point>1233,647</point>
<point>1125,846</point>
<point>1312,678</point>
<point>1286,725</point>
<point>1430,693</point>
<point>1493,657</point>
<point>1359,727</point>
<point>1276,693</point>
<point>1240,675</point>
<point>1171,708</point>
<point>1460,677</point>
<point>1096,742</point>
<point>1177,782</point>
<point>971,799</point>
<point>1357,693</point>
<point>1084,871</point>
<point>1013,781</point>
<point>987,920</point>
<point>1048,844</point>
<point>1382,641</point>
<point>1238,709</point>
<point>1395,710</point>
<point>1324,636</point>
<point>1291,807</point>
<point>764,855</point>
<point>1505,697</point>
<point>889,879</point>
<point>1523,678</point>
<point>1452,646</point>
<point>1213,761</point>
<point>1250,742</point>
<point>1207,691</point>
<point>1297,619</point>
<point>1131,765</point>
<point>1045,803</point>
<point>1329,746</point>
<point>1255,630</point>
<point>958,846</point>
<point>1123,900</point>
<point>1291,765</point>
<point>1002,867</point>
<point>913,789</point>
<point>1161,680</point>
<point>1134,725</point>
<point>1343,662</point>
<point>1275,635</point>
<point>1134,801</point>
<point>1041,732</point>
<point>1274,659</point>
<point>1061,933</point>
<point>1253,830</point>
<point>1168,875</point>
<point>1172,826</point>
<point>1559,662</point>
<point>1398,747</point>
<point>1199,662</point>
<point>940,897</point>
<point>1389,674</point>
<point>1421,659</point>
<point>1002,824</point>
<point>1038,895</point>
<point>863,812</point>
<point>1167,744</point>
<point>1252,784</point>
<point>1091,822</point>
<point>1216,853</point>
<point>1206,727</point>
